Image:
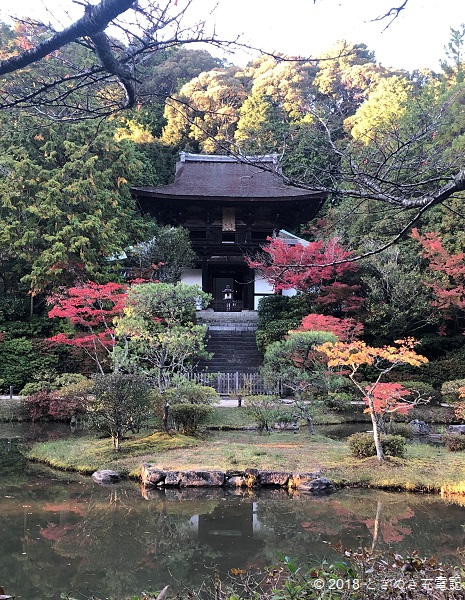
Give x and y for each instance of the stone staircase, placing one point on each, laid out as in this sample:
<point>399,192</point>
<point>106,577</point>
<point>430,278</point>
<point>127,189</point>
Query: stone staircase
<point>232,342</point>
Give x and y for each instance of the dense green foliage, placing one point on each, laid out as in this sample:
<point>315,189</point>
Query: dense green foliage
<point>65,201</point>
<point>188,417</point>
<point>23,360</point>
<point>265,410</point>
<point>277,315</point>
<point>294,364</point>
<point>158,324</point>
<point>362,445</point>
<point>119,403</point>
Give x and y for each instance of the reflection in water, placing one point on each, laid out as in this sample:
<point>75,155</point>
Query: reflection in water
<point>63,535</point>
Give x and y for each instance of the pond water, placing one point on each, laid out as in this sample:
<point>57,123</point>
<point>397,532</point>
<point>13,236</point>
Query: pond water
<point>63,533</point>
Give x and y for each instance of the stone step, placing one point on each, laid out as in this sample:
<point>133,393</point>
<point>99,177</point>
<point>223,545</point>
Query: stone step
<point>232,351</point>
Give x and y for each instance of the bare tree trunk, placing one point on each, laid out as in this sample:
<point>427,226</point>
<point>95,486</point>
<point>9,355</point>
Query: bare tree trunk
<point>166,415</point>
<point>306,415</point>
<point>117,441</point>
<point>376,431</point>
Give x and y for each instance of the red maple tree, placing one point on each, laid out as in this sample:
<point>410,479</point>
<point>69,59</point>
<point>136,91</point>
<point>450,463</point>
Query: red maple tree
<point>346,329</point>
<point>316,268</point>
<point>387,398</point>
<point>448,285</point>
<point>91,308</point>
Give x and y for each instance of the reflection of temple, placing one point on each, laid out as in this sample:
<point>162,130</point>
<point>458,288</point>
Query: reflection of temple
<point>232,529</point>
<point>229,207</point>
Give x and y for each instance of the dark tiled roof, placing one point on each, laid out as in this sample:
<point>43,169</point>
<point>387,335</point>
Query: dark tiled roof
<point>225,179</point>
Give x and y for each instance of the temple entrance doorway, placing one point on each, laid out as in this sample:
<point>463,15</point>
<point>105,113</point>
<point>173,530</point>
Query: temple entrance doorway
<point>234,278</point>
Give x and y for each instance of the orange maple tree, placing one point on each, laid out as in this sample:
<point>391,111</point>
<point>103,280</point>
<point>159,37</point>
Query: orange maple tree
<point>379,397</point>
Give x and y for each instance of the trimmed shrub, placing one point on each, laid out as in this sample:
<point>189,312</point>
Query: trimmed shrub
<point>63,380</point>
<point>71,400</point>
<point>362,445</point>
<point>188,418</point>
<point>184,391</point>
<point>121,403</point>
<point>38,405</point>
<point>454,442</point>
<point>35,387</point>
<point>60,405</point>
<point>393,445</point>
<point>67,379</point>
<point>450,390</point>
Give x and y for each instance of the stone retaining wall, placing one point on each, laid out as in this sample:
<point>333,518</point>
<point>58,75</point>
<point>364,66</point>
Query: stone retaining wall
<point>153,476</point>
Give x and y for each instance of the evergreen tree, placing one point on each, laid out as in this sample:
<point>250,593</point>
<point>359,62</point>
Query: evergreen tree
<point>263,125</point>
<point>65,203</point>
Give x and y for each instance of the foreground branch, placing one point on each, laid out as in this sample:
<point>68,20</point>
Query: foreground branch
<point>95,20</point>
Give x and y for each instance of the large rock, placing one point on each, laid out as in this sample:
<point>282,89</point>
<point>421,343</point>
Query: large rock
<point>419,427</point>
<point>202,479</point>
<point>298,479</point>
<point>320,485</point>
<point>280,478</point>
<point>173,477</point>
<point>456,429</point>
<point>151,476</point>
<point>235,481</point>
<point>106,477</point>
<point>252,477</point>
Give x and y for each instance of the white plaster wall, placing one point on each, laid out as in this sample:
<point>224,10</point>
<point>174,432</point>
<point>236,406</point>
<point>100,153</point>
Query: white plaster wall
<point>263,288</point>
<point>192,277</point>
<point>291,292</point>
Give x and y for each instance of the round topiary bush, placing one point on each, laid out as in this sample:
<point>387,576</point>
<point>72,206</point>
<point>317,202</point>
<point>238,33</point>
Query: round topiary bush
<point>188,418</point>
<point>362,445</point>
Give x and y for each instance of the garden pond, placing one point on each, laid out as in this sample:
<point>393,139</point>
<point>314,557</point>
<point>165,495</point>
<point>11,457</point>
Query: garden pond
<point>61,532</point>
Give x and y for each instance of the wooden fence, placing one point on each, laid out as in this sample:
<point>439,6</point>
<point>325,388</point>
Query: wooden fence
<point>247,384</point>
<point>227,305</point>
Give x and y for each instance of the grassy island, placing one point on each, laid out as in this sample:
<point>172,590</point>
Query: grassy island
<point>425,468</point>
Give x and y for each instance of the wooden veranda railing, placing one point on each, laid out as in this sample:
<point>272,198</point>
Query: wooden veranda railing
<point>248,384</point>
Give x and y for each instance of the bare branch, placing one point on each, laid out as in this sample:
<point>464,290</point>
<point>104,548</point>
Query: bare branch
<point>95,20</point>
<point>392,14</point>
